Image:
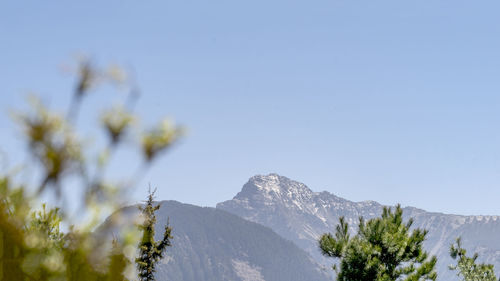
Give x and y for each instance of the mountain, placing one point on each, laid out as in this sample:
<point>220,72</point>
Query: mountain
<point>214,245</point>
<point>297,213</point>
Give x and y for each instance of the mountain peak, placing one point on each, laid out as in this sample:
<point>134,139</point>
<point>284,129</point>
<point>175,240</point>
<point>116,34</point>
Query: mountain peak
<point>274,183</point>
<point>302,216</point>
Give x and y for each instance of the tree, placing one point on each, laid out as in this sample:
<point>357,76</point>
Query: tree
<point>33,246</point>
<point>384,249</point>
<point>467,266</point>
<point>151,251</point>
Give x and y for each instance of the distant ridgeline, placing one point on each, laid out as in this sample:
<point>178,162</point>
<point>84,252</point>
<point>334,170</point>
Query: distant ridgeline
<point>297,213</point>
<point>214,245</point>
<point>269,231</point>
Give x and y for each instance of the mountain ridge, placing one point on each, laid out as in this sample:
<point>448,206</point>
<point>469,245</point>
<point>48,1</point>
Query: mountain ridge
<point>301,215</point>
<point>214,245</point>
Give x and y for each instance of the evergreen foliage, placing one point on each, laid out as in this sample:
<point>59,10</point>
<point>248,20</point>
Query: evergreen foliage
<point>384,249</point>
<point>151,251</point>
<point>467,266</point>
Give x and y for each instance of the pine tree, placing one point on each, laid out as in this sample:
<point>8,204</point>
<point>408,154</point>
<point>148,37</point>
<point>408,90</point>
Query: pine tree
<point>384,249</point>
<point>467,266</point>
<point>151,251</point>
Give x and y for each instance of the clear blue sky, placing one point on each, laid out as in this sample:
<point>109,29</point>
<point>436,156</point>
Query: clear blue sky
<point>393,101</point>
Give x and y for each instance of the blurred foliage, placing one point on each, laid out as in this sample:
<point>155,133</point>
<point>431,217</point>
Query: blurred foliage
<point>159,139</point>
<point>467,266</point>
<point>384,249</point>
<point>33,245</point>
<point>151,251</point>
<point>52,143</point>
<point>116,121</point>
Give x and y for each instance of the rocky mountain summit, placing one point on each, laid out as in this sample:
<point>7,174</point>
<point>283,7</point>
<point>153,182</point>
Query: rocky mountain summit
<point>297,213</point>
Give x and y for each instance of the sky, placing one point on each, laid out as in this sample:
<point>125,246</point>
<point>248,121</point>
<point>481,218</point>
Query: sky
<point>392,101</point>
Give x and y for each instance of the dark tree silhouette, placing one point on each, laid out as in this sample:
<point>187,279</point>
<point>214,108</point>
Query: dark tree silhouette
<point>151,251</point>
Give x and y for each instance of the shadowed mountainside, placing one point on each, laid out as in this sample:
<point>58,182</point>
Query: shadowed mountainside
<point>214,245</point>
